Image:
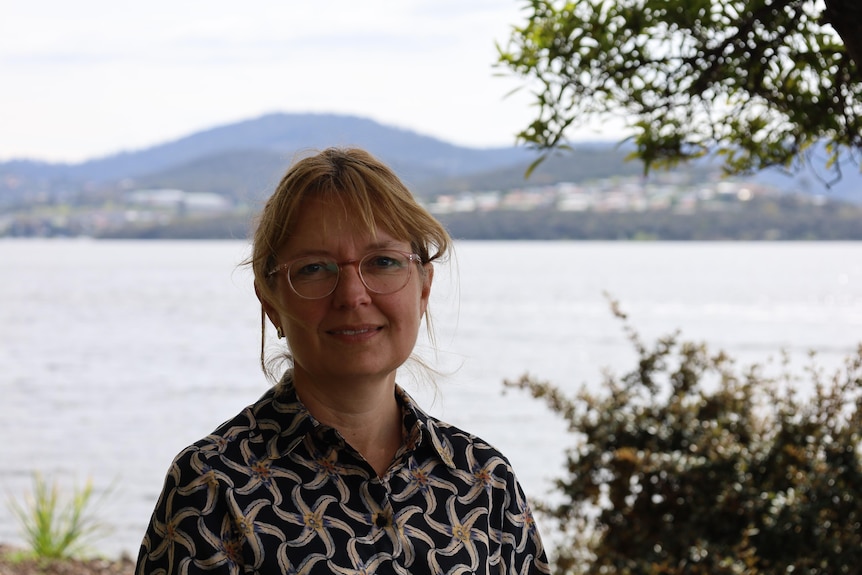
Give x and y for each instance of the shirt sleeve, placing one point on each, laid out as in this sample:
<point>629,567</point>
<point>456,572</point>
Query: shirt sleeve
<point>190,530</point>
<point>522,551</point>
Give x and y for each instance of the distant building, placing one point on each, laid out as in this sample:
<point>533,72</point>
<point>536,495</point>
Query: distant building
<point>180,201</point>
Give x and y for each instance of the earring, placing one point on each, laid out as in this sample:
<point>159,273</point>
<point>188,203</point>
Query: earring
<point>279,332</point>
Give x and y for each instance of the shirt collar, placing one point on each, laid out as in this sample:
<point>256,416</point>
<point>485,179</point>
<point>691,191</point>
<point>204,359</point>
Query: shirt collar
<point>420,425</point>
<point>297,422</point>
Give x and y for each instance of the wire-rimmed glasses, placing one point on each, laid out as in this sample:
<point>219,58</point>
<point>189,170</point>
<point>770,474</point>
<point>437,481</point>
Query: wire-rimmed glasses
<point>316,276</point>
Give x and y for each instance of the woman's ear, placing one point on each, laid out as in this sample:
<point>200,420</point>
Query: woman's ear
<point>427,279</point>
<point>268,308</point>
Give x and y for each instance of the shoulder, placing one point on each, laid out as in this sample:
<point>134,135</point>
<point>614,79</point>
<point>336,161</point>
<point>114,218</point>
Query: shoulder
<point>465,449</point>
<point>262,428</point>
<point>459,449</point>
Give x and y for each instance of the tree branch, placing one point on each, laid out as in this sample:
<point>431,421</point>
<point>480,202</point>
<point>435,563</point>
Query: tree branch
<point>845,16</point>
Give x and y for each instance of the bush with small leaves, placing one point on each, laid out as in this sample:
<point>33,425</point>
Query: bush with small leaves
<point>690,465</point>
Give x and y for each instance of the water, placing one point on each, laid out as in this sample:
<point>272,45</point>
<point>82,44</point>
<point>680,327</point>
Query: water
<point>115,355</point>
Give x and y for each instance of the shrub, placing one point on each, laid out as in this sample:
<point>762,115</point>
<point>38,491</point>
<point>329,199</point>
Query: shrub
<point>690,465</point>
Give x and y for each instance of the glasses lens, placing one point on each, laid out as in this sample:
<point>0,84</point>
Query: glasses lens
<point>385,271</point>
<point>313,277</point>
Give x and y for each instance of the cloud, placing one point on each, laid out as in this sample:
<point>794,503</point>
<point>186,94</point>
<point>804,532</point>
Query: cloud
<point>94,77</point>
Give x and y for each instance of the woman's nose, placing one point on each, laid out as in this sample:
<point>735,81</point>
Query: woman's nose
<point>350,290</point>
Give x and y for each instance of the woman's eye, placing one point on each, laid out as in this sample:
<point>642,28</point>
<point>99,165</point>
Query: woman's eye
<point>384,262</point>
<point>310,269</point>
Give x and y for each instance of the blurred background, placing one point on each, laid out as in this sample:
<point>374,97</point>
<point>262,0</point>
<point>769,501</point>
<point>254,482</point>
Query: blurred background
<point>125,124</point>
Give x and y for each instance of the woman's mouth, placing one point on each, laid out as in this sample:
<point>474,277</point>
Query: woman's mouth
<point>354,331</point>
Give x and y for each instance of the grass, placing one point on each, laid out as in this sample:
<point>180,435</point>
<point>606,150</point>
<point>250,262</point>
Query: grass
<point>54,527</point>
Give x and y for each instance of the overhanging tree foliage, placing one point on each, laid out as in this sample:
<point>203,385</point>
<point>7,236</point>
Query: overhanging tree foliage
<point>688,465</point>
<point>757,81</point>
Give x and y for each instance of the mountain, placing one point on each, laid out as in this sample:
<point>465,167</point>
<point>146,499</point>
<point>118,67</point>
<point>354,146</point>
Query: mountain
<point>252,154</point>
<point>245,160</point>
<point>817,181</point>
<point>250,173</point>
<point>287,134</point>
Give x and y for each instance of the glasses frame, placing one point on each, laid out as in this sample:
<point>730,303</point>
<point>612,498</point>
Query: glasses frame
<point>411,257</point>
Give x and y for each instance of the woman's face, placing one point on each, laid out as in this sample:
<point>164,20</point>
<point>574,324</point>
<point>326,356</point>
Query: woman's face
<point>352,335</point>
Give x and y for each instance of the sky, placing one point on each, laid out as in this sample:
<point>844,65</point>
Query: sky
<point>90,78</point>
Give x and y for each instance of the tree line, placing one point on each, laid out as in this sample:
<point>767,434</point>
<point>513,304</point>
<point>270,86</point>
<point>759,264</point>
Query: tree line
<point>785,218</point>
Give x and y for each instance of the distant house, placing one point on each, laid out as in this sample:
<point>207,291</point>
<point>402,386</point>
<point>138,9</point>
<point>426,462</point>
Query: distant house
<point>180,201</point>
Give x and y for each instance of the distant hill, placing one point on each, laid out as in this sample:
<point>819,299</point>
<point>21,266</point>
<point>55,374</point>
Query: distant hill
<point>244,161</point>
<point>240,175</point>
<point>582,163</point>
<point>249,155</point>
<point>248,174</point>
<point>816,182</point>
<point>287,134</point>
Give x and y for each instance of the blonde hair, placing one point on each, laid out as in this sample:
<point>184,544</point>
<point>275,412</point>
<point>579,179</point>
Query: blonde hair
<point>365,188</point>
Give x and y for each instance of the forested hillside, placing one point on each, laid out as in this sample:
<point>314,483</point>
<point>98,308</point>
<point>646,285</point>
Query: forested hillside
<point>210,184</point>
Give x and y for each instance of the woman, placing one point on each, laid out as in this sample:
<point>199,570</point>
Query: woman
<point>335,469</point>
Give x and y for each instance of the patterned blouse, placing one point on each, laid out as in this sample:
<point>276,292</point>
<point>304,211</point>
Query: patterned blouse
<point>275,491</point>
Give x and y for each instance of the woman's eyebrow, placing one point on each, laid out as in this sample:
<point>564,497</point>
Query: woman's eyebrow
<point>309,252</point>
<point>378,245</point>
<point>386,244</point>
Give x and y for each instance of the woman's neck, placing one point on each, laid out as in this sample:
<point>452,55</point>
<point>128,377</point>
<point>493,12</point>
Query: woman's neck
<point>367,416</point>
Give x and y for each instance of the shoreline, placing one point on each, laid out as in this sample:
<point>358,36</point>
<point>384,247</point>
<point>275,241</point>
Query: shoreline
<point>13,563</point>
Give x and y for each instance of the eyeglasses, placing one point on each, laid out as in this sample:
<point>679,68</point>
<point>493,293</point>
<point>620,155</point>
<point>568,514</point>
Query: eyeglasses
<point>315,277</point>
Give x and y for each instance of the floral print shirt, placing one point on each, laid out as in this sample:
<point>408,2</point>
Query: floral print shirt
<point>275,491</point>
